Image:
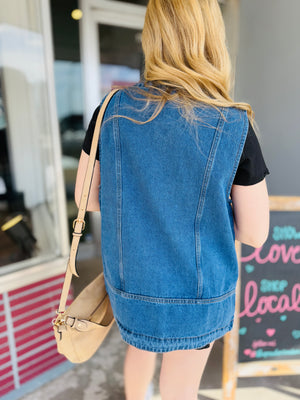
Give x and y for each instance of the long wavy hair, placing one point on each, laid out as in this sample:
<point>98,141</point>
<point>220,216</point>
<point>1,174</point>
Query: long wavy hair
<point>186,58</point>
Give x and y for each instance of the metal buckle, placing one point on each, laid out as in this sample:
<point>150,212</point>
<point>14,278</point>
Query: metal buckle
<point>79,220</point>
<point>59,322</point>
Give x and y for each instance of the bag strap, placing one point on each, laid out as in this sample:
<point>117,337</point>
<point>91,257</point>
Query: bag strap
<point>79,223</point>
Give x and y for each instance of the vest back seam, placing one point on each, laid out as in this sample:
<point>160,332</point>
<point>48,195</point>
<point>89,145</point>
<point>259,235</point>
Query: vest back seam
<point>201,201</point>
<point>168,300</point>
<point>117,142</point>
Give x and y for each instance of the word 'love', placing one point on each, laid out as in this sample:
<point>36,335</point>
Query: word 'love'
<point>276,253</point>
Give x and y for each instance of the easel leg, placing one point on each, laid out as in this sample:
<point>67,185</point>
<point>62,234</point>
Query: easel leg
<point>229,377</point>
<point>231,347</point>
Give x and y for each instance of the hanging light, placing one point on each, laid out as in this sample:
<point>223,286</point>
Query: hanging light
<point>76,14</point>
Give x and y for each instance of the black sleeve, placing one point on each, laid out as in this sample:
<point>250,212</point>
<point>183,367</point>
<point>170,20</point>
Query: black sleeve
<point>252,168</point>
<point>87,143</point>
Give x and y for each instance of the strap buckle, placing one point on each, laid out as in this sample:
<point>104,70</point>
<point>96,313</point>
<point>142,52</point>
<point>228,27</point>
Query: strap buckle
<point>59,320</point>
<point>80,221</point>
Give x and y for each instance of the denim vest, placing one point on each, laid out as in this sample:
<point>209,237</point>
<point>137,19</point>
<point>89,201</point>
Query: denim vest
<point>167,235</point>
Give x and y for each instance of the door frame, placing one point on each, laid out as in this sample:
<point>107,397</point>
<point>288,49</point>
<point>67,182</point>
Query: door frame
<point>108,12</point>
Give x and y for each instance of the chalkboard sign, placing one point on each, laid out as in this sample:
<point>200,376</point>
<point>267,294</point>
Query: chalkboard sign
<point>269,325</point>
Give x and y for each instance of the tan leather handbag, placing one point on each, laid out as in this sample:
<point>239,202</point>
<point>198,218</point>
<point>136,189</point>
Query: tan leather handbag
<point>81,328</point>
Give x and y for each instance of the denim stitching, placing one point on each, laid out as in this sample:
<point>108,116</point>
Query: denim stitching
<point>200,207</point>
<point>171,340</point>
<point>100,152</point>
<point>164,300</point>
<point>119,187</point>
<point>238,155</point>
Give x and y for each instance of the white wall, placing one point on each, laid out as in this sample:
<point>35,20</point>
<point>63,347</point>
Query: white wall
<point>268,77</point>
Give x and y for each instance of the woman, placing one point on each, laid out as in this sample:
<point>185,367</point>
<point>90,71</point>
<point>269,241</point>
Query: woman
<point>182,177</point>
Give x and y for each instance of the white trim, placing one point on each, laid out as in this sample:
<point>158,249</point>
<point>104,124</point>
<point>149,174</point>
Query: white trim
<point>11,340</point>
<point>118,6</point>
<point>89,52</point>
<point>60,220</point>
<point>36,273</point>
<point>24,264</point>
<point>114,18</point>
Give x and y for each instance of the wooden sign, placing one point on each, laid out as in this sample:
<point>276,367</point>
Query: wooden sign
<point>265,340</point>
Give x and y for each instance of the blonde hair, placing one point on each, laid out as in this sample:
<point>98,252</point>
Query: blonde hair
<point>186,58</point>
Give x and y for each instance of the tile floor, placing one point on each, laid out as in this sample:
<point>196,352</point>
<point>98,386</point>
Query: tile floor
<point>101,378</point>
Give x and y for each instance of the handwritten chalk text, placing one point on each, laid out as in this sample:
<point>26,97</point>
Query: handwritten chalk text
<point>259,306</point>
<point>276,253</point>
<point>262,343</point>
<point>260,353</point>
<point>285,233</point>
<point>272,286</point>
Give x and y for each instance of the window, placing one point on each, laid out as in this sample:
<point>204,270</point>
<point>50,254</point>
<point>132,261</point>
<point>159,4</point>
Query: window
<point>30,211</point>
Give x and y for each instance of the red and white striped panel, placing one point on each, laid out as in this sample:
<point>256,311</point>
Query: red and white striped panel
<point>32,309</point>
<point>6,369</point>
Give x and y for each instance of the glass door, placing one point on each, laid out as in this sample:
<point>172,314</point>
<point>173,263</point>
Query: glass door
<point>120,55</point>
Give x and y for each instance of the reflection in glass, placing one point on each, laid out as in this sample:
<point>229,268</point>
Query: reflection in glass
<point>28,192</point>
<point>121,56</point>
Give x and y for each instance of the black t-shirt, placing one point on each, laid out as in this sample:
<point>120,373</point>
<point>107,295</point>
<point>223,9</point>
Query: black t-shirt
<point>252,168</point>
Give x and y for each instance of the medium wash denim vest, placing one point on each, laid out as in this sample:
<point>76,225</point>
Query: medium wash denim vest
<point>167,233</point>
